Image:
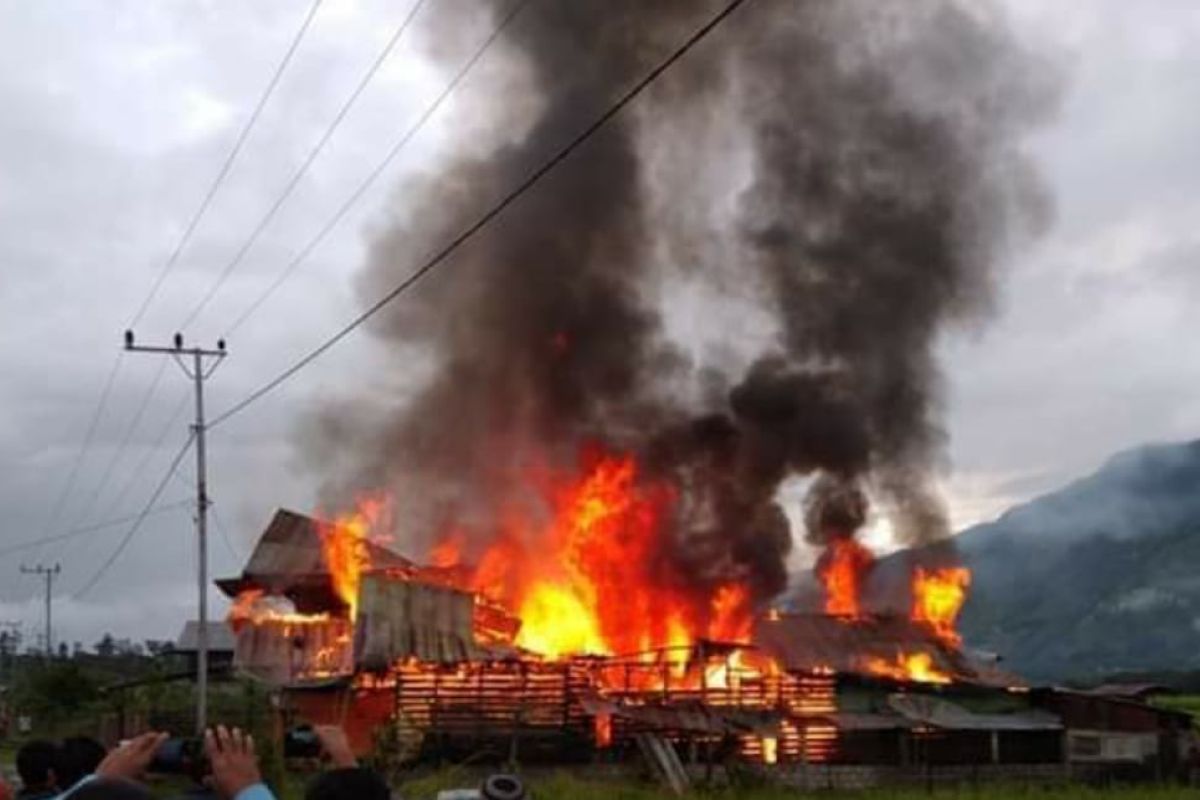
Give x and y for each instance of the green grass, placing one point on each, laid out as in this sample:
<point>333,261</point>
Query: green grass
<point>1181,702</point>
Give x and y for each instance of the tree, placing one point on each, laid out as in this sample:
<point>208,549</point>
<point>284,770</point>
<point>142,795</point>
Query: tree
<point>107,646</point>
<point>56,690</point>
<point>63,651</point>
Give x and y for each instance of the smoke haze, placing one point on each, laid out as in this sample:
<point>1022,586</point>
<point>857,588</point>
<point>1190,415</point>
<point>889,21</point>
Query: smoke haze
<point>855,167</point>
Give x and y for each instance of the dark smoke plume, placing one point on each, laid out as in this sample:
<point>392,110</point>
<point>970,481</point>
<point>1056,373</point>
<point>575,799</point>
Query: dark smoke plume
<point>885,178</point>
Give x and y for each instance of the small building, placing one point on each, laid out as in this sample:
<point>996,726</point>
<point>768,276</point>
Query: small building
<point>221,644</point>
<point>1114,737</point>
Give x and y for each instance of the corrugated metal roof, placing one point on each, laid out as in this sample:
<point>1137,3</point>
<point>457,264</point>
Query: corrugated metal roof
<point>289,560</point>
<point>941,713</point>
<point>1137,691</point>
<point>810,642</point>
<point>291,546</point>
<point>400,619</point>
<point>220,637</point>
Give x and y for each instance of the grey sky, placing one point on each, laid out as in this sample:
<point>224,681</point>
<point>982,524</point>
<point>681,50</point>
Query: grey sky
<point>117,114</point>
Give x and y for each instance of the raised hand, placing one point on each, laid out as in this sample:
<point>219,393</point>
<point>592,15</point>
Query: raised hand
<point>234,763</point>
<point>130,760</point>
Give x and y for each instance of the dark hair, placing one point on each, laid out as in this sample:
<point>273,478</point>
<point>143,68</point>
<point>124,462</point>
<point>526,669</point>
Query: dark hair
<point>352,783</point>
<point>111,789</point>
<point>35,763</point>
<point>77,756</point>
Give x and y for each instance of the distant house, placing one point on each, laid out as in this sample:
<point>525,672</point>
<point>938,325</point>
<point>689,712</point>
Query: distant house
<point>221,641</point>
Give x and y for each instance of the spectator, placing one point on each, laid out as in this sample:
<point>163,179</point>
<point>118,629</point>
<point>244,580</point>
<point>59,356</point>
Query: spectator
<point>35,765</point>
<point>78,757</point>
<point>235,765</point>
<point>347,780</point>
<point>115,776</point>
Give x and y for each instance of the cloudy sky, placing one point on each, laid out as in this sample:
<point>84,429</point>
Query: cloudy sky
<point>117,115</point>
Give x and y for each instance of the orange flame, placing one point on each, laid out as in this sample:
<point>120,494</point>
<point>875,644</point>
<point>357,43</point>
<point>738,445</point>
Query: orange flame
<point>938,595</point>
<point>841,569</point>
<point>447,551</point>
<point>344,546</point>
<point>589,581</point>
<point>254,607</point>
<point>908,667</point>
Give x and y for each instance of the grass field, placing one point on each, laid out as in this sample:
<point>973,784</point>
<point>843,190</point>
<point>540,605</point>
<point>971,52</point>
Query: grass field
<point>1181,702</point>
<point>564,787</point>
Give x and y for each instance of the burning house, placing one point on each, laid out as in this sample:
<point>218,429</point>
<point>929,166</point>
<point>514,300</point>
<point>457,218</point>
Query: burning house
<point>425,654</point>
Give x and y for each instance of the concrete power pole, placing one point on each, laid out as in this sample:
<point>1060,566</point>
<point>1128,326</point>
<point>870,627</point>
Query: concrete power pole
<point>197,371</point>
<point>49,573</point>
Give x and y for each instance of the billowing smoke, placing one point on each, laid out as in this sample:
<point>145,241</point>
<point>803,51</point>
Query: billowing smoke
<point>882,181</point>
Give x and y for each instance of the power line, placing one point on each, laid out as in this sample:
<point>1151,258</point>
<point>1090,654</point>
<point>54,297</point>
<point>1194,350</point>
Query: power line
<point>137,521</point>
<point>304,166</point>
<point>531,180</point>
<point>227,165</point>
<point>374,174</point>
<point>187,481</point>
<point>73,474</point>
<point>237,558</point>
<point>140,467</point>
<point>124,445</point>
<point>169,426</point>
<point>174,257</point>
<point>86,529</point>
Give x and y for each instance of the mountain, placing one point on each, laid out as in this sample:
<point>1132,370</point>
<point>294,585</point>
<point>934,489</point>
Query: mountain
<point>1099,577</point>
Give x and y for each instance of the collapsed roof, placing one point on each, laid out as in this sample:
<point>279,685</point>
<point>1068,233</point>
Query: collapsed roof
<point>817,642</point>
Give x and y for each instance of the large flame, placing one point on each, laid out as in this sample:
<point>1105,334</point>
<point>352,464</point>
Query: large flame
<point>908,667</point>
<point>344,546</point>
<point>842,568</point>
<point>589,578</point>
<point>938,595</point>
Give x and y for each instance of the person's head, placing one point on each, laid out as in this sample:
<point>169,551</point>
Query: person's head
<point>352,783</point>
<point>77,756</point>
<point>110,789</point>
<point>35,764</point>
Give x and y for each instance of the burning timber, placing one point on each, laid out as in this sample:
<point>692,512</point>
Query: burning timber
<point>440,667</point>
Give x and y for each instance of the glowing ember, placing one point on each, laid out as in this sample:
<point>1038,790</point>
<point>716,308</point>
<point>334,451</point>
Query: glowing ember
<point>908,667</point>
<point>603,730</point>
<point>344,545</point>
<point>770,749</point>
<point>938,595</point>
<point>842,568</point>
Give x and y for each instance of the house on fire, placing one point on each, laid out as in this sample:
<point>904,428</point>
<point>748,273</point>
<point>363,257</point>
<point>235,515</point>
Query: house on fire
<point>820,700</point>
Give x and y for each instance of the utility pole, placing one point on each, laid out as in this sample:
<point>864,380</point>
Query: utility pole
<point>200,358</point>
<point>49,573</point>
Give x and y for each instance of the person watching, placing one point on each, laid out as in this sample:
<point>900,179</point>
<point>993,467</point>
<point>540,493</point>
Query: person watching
<point>35,765</point>
<point>77,757</point>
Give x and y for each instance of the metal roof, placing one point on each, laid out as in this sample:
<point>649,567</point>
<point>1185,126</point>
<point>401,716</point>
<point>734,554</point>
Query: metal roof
<point>289,560</point>
<point>941,713</point>
<point>812,642</point>
<point>398,620</point>
<point>1135,691</point>
<point>220,637</point>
